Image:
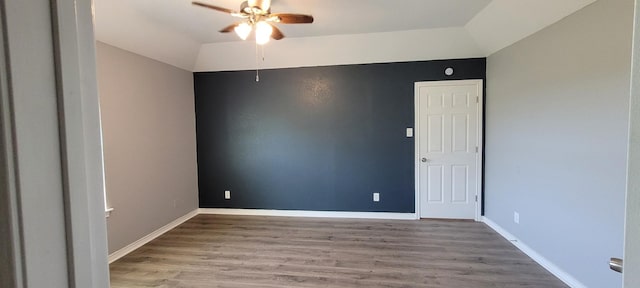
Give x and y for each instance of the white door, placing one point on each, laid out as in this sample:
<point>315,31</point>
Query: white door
<point>447,143</point>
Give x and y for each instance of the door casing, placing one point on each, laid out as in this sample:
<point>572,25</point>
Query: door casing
<point>480,127</point>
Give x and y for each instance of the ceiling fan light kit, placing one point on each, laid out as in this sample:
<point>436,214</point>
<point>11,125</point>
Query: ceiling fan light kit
<point>263,32</point>
<point>257,17</point>
<point>243,30</point>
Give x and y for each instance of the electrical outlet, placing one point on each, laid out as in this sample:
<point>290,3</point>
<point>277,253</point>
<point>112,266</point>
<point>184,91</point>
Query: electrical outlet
<point>376,197</point>
<point>516,217</point>
<point>227,194</point>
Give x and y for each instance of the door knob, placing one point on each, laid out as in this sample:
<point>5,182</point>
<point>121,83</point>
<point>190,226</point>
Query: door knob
<point>423,159</point>
<point>616,264</point>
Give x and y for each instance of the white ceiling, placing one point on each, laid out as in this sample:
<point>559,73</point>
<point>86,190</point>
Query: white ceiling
<point>332,17</point>
<point>173,31</point>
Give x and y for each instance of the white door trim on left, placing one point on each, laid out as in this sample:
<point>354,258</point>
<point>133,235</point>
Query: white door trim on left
<point>51,143</point>
<point>479,158</point>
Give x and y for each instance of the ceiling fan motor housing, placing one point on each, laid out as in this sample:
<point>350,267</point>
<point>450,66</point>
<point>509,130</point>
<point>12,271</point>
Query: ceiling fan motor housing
<point>258,7</point>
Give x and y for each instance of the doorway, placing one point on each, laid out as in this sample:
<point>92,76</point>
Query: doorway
<point>448,149</point>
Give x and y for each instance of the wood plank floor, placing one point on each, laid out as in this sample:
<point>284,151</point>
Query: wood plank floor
<point>241,251</point>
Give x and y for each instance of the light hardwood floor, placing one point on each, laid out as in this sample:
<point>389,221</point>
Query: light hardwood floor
<point>241,251</point>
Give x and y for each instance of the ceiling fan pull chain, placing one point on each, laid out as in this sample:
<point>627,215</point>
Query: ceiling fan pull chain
<point>257,65</point>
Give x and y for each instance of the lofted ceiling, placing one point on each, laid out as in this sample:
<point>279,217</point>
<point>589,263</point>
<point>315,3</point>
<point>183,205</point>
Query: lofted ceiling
<point>331,16</point>
<point>174,31</point>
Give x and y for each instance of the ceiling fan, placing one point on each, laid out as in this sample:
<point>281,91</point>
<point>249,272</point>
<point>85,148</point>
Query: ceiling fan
<point>256,15</point>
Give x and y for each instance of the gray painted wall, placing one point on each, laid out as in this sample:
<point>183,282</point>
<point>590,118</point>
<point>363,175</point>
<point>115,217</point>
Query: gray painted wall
<point>148,123</point>
<point>556,139</point>
<point>632,249</point>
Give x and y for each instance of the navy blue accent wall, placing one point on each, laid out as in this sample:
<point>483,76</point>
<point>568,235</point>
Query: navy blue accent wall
<point>317,138</point>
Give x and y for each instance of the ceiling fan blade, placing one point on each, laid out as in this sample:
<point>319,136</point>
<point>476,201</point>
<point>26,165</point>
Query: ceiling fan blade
<point>229,28</point>
<point>221,9</point>
<point>289,18</point>
<point>276,34</point>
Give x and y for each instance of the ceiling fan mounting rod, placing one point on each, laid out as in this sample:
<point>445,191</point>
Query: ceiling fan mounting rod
<point>256,8</point>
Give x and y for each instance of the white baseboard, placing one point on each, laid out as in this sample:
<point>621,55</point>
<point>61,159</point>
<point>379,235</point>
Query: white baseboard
<point>304,213</point>
<point>555,270</point>
<point>153,235</point>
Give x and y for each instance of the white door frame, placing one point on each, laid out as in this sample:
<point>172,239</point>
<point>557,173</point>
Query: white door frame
<point>50,142</point>
<point>416,135</point>
<point>631,267</point>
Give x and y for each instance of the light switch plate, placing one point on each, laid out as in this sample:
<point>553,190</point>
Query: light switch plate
<point>409,132</point>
